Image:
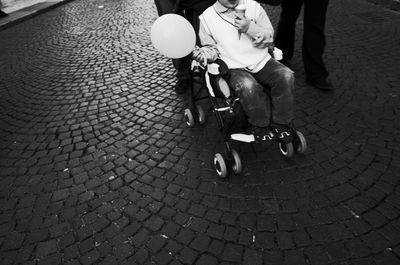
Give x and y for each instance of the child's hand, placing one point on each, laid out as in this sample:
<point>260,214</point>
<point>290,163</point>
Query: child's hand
<point>261,41</point>
<point>258,39</point>
<point>198,55</point>
<point>242,23</point>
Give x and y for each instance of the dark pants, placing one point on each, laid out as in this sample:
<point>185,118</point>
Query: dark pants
<point>313,35</point>
<point>267,95</point>
<point>191,11</point>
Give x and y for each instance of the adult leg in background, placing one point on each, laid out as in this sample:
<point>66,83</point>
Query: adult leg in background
<point>191,11</point>
<point>285,36</point>
<point>181,65</point>
<point>314,39</point>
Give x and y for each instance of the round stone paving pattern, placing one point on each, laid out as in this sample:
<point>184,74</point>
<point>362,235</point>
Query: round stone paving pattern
<point>97,165</point>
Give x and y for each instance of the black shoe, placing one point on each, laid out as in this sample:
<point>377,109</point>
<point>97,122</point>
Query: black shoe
<point>281,132</point>
<point>2,14</point>
<point>261,134</point>
<point>181,85</point>
<point>321,83</point>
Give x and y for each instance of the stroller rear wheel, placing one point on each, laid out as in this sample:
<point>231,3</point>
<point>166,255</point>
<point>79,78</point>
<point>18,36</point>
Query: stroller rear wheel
<point>300,143</point>
<point>189,118</point>
<point>201,116</point>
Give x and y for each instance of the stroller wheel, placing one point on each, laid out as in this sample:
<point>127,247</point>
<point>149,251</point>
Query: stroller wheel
<point>237,166</point>
<point>220,165</point>
<point>189,118</point>
<point>300,143</point>
<point>201,116</point>
<point>286,149</point>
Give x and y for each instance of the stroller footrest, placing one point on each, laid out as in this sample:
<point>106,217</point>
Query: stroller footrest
<point>223,109</point>
<point>241,137</point>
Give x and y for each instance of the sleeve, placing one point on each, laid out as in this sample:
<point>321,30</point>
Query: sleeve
<point>261,30</point>
<point>209,45</point>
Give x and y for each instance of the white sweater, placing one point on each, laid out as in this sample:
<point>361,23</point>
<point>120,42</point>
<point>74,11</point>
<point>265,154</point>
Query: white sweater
<point>235,51</point>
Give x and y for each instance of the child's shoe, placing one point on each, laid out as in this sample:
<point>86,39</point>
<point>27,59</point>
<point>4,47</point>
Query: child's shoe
<point>261,134</point>
<point>282,133</point>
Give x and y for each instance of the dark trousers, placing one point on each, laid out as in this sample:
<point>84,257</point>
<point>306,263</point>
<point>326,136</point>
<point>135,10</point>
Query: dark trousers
<point>267,95</point>
<point>313,36</point>
<point>191,11</point>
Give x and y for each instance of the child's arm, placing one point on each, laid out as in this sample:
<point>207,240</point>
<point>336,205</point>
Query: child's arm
<point>261,30</point>
<point>209,49</point>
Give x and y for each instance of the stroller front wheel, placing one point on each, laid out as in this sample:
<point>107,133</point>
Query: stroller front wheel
<point>300,143</point>
<point>286,149</point>
<point>220,165</point>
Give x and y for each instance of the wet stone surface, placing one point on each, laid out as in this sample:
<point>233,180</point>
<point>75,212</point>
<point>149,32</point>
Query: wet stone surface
<point>97,165</point>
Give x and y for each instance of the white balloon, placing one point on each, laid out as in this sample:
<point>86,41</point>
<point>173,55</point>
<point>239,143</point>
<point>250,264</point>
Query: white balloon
<point>173,36</point>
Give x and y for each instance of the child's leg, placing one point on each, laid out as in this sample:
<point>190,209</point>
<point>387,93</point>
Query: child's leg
<point>280,79</point>
<point>254,100</point>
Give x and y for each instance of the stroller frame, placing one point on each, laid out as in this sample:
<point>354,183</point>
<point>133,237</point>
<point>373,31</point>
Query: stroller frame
<point>229,161</point>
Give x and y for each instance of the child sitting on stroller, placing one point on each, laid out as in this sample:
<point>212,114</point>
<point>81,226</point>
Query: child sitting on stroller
<point>264,86</point>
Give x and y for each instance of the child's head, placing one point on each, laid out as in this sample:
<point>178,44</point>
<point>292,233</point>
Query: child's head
<point>229,3</point>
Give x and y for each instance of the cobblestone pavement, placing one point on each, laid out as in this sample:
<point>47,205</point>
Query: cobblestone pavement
<point>98,167</point>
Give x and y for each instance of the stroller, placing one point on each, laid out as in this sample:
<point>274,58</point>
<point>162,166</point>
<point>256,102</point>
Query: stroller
<point>228,112</point>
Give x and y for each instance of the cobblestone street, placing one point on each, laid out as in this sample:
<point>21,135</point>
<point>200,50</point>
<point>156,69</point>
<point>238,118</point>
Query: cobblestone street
<point>97,165</point>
